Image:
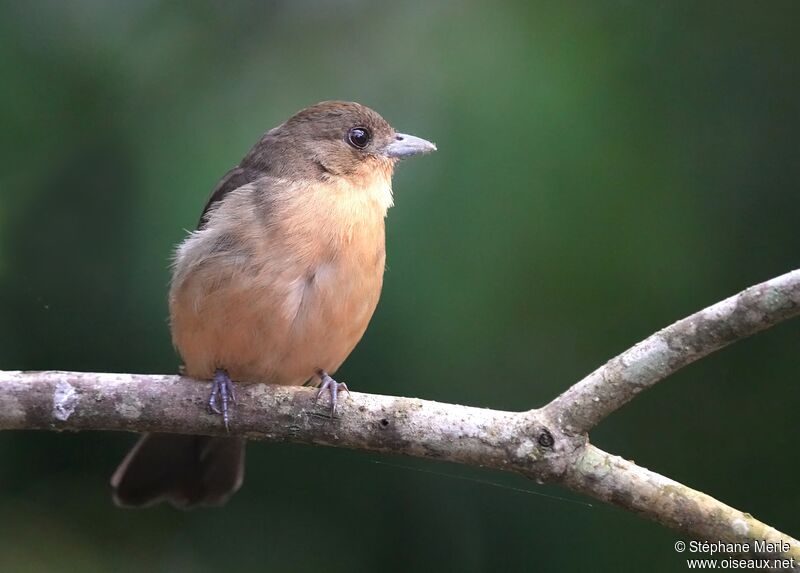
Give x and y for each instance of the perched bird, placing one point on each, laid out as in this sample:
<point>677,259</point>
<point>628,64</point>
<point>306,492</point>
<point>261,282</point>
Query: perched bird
<point>276,285</point>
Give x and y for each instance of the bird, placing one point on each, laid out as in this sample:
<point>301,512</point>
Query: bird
<point>276,285</point>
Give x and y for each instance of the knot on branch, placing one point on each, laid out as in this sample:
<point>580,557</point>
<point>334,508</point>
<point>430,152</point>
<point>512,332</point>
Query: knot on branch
<point>543,451</point>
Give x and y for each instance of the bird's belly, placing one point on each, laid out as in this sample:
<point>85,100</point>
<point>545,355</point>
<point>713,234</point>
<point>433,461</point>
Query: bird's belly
<point>275,329</point>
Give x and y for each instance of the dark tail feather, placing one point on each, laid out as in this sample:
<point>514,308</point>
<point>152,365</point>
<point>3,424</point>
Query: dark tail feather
<point>186,471</point>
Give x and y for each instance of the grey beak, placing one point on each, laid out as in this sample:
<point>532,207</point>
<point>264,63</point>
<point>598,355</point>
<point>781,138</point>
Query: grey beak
<point>408,145</point>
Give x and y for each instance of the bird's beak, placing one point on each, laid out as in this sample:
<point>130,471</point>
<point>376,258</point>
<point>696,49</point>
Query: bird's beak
<point>407,145</point>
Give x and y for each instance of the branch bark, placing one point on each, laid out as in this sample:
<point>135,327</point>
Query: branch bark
<point>548,444</point>
<point>615,383</point>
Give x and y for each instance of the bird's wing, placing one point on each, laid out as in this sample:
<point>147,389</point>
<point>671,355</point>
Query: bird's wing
<point>235,178</point>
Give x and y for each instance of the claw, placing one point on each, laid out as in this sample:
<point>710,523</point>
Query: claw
<point>222,393</point>
<point>333,387</point>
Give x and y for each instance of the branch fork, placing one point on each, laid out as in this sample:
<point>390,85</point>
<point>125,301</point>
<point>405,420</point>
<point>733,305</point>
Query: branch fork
<point>549,444</point>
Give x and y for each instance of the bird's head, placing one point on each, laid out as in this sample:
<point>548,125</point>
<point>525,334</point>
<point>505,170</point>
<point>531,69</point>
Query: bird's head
<point>340,139</point>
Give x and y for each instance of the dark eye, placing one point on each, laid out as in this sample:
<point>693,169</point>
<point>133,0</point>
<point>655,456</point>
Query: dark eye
<point>358,137</point>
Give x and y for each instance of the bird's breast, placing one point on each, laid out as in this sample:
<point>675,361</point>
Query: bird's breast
<point>277,304</point>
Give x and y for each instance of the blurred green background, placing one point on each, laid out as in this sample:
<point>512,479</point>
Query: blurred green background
<point>603,170</point>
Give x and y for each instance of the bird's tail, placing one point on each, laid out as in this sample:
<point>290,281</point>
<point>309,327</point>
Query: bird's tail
<point>186,471</point>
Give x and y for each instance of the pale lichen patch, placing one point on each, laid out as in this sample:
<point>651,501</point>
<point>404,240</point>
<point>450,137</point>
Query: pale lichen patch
<point>527,451</point>
<point>129,407</point>
<point>740,527</point>
<point>772,300</point>
<point>720,312</point>
<point>647,361</point>
<point>65,400</point>
<point>591,464</point>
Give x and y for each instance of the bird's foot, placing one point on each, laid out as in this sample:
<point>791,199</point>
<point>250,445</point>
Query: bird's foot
<point>222,394</point>
<point>333,387</point>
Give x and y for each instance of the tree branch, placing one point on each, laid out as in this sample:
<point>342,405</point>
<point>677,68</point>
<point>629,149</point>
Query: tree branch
<point>615,383</point>
<point>670,503</point>
<point>548,444</point>
<point>156,403</point>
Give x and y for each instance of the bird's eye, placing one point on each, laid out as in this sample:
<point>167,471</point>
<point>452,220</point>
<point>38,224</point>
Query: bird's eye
<point>358,137</point>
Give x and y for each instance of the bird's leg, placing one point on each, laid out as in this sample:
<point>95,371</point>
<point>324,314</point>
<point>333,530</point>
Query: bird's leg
<point>331,386</point>
<point>222,393</point>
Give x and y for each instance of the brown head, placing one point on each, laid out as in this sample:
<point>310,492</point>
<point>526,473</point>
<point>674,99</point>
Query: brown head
<point>330,142</point>
<point>333,139</point>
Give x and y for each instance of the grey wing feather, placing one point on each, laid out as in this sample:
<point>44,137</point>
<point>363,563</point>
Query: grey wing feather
<point>235,178</point>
